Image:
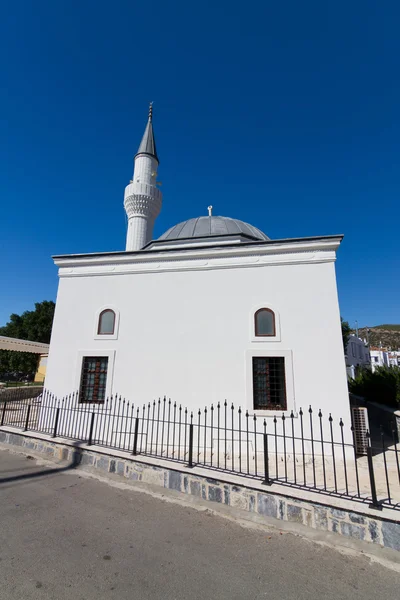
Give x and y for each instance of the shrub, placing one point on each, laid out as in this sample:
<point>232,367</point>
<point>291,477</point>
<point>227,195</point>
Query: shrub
<point>381,386</point>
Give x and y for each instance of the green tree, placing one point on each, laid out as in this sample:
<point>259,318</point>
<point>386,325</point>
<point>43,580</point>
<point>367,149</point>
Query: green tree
<point>346,330</point>
<point>382,385</point>
<point>34,325</point>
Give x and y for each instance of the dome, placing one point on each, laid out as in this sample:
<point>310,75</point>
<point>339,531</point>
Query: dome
<point>211,226</point>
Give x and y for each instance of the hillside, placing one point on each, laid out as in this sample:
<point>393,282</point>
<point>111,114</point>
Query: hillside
<point>388,335</point>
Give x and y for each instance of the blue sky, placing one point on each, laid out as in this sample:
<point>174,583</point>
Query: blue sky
<point>283,114</point>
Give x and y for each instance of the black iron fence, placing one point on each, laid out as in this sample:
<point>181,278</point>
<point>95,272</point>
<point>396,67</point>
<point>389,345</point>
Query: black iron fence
<point>306,450</point>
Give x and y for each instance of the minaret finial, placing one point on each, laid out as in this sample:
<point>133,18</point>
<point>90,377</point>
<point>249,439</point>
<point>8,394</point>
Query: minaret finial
<point>151,111</point>
<point>209,208</point>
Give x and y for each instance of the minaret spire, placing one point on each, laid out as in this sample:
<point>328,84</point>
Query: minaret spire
<point>148,143</point>
<point>142,197</point>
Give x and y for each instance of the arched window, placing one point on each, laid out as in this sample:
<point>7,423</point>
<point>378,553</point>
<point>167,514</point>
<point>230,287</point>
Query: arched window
<point>264,323</point>
<point>106,322</point>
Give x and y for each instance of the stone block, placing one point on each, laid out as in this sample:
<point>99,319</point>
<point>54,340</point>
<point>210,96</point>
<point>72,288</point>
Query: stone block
<point>16,440</point>
<point>307,518</point>
<point>320,518</point>
<point>175,481</point>
<point>334,525</point>
<point>87,459</point>
<point>120,467</point>
<point>355,518</point>
<point>64,453</point>
<point>112,466</point>
<point>102,463</point>
<point>266,505</point>
<point>186,484</point>
<point>281,510</point>
<point>354,531</point>
<point>203,492</point>
<point>30,444</point>
<point>195,488</point>
<point>227,495</point>
<point>152,475</point>
<point>238,499</point>
<point>374,531</point>
<point>214,493</point>
<point>3,436</point>
<point>391,535</point>
<point>252,503</point>
<point>294,513</point>
<point>133,475</point>
<point>337,514</point>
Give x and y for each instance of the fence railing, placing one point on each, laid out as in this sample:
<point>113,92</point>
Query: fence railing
<point>306,450</point>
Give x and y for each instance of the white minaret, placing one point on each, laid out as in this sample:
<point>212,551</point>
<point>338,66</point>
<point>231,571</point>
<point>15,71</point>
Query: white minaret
<point>142,200</point>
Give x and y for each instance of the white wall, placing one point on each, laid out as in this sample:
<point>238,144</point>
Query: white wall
<point>357,354</point>
<point>189,334</point>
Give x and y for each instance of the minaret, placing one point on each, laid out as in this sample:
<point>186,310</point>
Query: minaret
<point>142,198</point>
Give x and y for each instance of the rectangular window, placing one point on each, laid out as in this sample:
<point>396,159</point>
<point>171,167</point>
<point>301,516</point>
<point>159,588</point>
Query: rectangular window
<point>269,386</point>
<point>93,379</point>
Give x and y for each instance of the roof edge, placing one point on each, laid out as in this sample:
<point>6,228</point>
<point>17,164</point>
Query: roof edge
<point>143,251</point>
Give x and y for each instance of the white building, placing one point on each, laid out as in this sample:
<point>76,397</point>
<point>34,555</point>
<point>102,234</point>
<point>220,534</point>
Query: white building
<point>357,356</point>
<point>379,358</point>
<point>212,310</point>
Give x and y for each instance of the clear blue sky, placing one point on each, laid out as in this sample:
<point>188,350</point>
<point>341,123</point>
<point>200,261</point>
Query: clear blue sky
<point>283,114</point>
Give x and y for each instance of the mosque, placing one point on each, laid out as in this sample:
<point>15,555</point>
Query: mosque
<point>212,310</point>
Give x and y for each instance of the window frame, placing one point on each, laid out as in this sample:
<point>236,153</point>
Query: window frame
<point>106,310</point>
<point>95,386</point>
<point>263,352</point>
<point>260,310</point>
<point>81,354</point>
<point>263,339</point>
<point>96,323</point>
<point>276,408</point>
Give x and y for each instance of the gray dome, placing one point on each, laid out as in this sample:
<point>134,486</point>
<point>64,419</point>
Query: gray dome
<point>210,227</point>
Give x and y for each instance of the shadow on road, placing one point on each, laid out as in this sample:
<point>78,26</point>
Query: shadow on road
<point>76,459</point>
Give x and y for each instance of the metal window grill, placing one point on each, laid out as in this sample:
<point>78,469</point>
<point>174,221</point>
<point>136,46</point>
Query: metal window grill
<point>94,378</point>
<point>269,383</point>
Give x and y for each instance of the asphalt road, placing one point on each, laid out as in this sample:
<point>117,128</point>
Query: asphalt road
<point>64,536</point>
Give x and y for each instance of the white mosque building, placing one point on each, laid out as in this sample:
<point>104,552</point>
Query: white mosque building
<point>213,310</point>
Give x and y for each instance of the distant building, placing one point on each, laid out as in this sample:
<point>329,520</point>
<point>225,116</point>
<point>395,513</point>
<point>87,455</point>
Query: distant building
<point>379,357</point>
<point>41,371</point>
<point>394,358</point>
<point>357,356</point>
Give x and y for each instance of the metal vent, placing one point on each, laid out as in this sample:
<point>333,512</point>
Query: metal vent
<point>361,426</point>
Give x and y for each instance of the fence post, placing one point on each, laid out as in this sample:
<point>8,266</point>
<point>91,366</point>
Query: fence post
<point>28,412</point>
<point>4,413</point>
<point>191,445</point>
<point>136,435</point>
<point>266,466</point>
<point>375,504</point>
<point>91,429</point>
<point>56,422</point>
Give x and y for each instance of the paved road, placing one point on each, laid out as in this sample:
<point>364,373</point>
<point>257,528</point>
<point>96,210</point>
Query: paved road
<point>64,536</point>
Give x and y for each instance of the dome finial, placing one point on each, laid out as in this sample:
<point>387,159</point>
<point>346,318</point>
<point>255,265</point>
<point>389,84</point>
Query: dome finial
<point>151,111</point>
<point>209,208</point>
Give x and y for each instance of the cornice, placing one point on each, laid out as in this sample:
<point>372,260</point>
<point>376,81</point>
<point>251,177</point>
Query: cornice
<point>284,253</point>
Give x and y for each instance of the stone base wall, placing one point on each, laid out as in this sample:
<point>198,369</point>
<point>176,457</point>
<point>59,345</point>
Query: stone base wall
<point>345,518</point>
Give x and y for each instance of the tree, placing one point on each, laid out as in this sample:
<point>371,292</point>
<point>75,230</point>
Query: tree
<point>346,330</point>
<point>382,385</point>
<point>34,325</point>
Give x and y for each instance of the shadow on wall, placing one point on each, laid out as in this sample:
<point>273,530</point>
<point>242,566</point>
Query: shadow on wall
<point>75,461</point>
